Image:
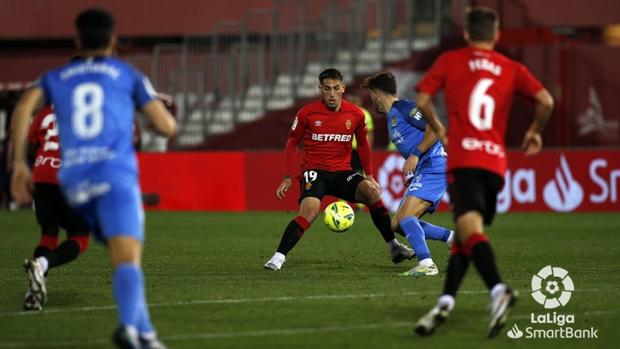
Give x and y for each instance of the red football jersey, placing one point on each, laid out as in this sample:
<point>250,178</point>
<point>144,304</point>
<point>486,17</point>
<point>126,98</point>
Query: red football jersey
<point>44,133</point>
<point>479,86</point>
<point>326,135</point>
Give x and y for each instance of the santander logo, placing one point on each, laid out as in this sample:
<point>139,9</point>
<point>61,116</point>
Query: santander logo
<point>557,181</point>
<point>563,193</point>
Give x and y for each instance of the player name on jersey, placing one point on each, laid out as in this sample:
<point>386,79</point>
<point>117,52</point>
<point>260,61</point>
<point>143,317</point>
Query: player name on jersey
<point>485,64</point>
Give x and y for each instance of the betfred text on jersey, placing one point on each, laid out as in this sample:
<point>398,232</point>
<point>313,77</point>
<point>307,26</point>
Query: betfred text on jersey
<point>47,160</point>
<point>470,143</point>
<point>330,137</point>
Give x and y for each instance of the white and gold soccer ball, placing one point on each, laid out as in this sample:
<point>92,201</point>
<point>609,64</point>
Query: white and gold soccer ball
<point>339,216</point>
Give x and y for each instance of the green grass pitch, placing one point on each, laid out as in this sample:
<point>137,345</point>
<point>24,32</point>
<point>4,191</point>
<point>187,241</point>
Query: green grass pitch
<point>207,289</point>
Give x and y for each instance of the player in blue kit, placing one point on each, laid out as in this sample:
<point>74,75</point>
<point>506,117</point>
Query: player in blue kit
<point>425,169</point>
<point>95,98</point>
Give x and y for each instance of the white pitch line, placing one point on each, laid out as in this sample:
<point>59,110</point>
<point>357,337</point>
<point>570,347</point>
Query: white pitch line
<point>245,300</point>
<point>229,301</point>
<point>218,335</point>
<point>255,333</point>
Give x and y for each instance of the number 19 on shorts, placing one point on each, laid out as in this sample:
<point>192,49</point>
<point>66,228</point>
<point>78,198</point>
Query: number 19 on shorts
<point>310,176</point>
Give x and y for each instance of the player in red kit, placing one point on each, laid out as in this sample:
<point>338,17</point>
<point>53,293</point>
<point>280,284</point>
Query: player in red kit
<point>479,85</point>
<point>326,129</point>
<point>52,211</point>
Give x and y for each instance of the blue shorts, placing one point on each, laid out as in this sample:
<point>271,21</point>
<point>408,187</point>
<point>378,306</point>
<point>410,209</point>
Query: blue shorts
<point>110,207</point>
<point>428,187</point>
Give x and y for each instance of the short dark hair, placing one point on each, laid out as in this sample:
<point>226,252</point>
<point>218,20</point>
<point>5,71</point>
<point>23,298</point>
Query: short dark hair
<point>330,73</point>
<point>481,23</point>
<point>383,81</point>
<point>95,27</point>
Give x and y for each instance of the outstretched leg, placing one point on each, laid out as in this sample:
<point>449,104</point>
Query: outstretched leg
<point>369,195</point>
<point>406,219</point>
<point>308,211</point>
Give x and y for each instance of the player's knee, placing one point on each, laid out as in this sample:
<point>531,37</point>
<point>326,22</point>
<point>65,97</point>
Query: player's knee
<point>124,250</point>
<point>310,208</point>
<point>369,194</point>
<point>310,215</point>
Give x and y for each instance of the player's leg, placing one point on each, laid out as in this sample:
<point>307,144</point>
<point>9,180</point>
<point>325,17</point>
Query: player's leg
<point>356,165</point>
<point>407,218</point>
<point>313,184</point>
<point>430,187</point>
<point>121,220</point>
<point>128,286</point>
<point>355,187</point>
<point>77,233</point>
<point>477,246</point>
<point>47,219</point>
<point>465,195</point>
<point>473,193</point>
<point>308,211</point>
<point>434,232</point>
<point>36,268</point>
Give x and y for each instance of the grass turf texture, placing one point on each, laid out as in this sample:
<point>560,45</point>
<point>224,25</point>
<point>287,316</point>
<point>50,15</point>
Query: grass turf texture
<point>207,288</point>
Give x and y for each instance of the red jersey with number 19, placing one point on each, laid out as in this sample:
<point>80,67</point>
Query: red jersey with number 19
<point>479,86</point>
<point>327,136</point>
<point>44,133</point>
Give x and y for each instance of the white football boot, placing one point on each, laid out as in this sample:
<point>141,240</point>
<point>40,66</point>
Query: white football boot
<point>275,263</point>
<point>400,252</point>
<point>37,280</point>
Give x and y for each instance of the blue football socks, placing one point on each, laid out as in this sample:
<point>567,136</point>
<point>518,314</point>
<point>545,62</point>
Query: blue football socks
<point>144,322</point>
<point>129,294</point>
<point>433,232</point>
<point>415,234</point>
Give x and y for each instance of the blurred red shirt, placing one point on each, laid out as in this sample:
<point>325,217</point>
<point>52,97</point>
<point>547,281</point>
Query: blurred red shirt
<point>44,134</point>
<point>478,86</point>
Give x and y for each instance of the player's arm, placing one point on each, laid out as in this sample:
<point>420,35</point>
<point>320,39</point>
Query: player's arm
<point>430,137</point>
<point>370,128</point>
<point>33,142</point>
<point>290,151</point>
<point>532,141</point>
<point>160,117</point>
<point>430,84</point>
<point>365,153</point>
<point>21,181</point>
<point>424,101</point>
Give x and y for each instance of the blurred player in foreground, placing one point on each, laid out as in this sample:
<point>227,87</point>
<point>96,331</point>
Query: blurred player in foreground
<point>425,169</point>
<point>479,85</point>
<point>94,99</point>
<point>52,210</point>
<point>326,128</point>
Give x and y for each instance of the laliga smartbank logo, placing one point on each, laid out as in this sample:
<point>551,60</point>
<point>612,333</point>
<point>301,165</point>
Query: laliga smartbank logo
<point>552,288</point>
<point>546,287</point>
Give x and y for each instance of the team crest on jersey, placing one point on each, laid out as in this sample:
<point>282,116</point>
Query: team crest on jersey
<point>394,121</point>
<point>348,124</point>
<point>308,185</point>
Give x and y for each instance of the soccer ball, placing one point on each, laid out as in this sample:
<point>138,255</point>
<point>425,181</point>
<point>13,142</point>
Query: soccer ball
<point>339,216</point>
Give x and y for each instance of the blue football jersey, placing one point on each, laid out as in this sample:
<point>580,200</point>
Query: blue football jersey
<point>95,100</point>
<point>406,127</point>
